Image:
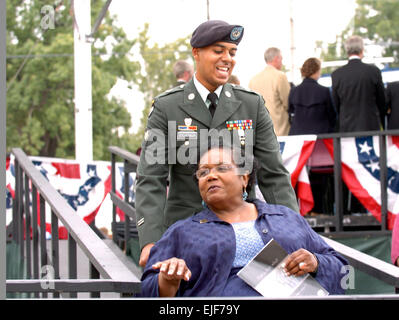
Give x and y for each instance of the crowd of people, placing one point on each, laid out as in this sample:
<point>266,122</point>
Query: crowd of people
<point>198,219</point>
<point>357,100</point>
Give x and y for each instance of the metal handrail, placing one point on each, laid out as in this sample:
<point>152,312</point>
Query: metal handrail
<point>130,163</point>
<point>338,183</point>
<point>103,260</point>
<point>374,267</point>
<point>393,132</point>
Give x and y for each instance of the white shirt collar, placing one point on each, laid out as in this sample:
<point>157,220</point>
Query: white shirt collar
<point>354,57</point>
<point>204,91</point>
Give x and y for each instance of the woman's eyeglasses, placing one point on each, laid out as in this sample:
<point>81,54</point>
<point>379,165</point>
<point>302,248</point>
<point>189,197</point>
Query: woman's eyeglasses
<point>222,168</point>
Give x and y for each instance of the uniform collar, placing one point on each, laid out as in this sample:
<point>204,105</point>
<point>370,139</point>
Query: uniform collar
<point>263,208</point>
<point>204,91</point>
<point>195,107</point>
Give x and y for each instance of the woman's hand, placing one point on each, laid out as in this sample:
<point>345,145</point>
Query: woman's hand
<point>300,262</point>
<point>171,272</point>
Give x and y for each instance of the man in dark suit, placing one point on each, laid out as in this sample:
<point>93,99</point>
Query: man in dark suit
<point>358,92</point>
<point>183,72</point>
<point>393,104</point>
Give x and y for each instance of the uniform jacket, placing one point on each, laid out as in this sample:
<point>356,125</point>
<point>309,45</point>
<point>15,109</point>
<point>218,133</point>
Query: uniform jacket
<point>312,109</point>
<point>393,103</point>
<point>359,97</point>
<point>273,85</point>
<point>208,246</point>
<point>156,211</point>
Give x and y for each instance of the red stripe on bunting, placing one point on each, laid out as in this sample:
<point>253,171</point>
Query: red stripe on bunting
<point>67,170</point>
<point>395,141</point>
<point>349,177</point>
<point>8,186</point>
<point>305,153</point>
<point>306,201</point>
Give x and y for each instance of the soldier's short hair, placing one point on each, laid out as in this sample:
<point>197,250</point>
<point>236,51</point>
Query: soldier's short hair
<point>354,45</point>
<point>271,53</point>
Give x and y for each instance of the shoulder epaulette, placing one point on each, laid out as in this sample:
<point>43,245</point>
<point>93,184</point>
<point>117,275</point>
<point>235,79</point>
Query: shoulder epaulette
<point>238,87</point>
<point>170,91</point>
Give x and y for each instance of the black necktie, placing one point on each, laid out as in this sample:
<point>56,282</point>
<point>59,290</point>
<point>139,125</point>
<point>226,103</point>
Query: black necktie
<point>212,97</point>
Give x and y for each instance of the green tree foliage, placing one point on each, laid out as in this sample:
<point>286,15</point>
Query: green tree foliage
<point>378,20</point>
<point>156,74</point>
<point>40,81</point>
<point>375,20</point>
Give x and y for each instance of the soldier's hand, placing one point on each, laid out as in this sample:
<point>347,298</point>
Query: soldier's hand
<point>145,253</point>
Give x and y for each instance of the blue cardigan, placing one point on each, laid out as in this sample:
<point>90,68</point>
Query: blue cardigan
<point>208,246</point>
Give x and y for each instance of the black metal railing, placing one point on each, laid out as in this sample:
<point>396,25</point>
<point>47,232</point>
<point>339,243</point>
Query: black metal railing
<point>33,195</point>
<point>122,231</point>
<point>337,222</point>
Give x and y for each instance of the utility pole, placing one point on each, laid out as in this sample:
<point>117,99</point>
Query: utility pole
<point>3,266</point>
<point>83,81</point>
<point>292,43</point>
<point>207,9</point>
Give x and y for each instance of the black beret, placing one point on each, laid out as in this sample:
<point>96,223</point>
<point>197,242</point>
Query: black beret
<point>212,31</point>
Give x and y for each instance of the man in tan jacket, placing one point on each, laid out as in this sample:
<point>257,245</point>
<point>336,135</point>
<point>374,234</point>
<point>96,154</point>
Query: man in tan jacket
<point>273,85</point>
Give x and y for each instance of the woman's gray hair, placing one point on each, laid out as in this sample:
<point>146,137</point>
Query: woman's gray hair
<point>354,45</point>
<point>271,53</point>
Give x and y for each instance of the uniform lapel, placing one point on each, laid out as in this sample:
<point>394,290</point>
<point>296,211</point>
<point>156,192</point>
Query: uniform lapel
<point>227,105</point>
<point>194,106</point>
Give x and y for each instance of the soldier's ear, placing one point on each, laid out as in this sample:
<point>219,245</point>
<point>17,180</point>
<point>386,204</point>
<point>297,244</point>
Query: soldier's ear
<point>195,52</point>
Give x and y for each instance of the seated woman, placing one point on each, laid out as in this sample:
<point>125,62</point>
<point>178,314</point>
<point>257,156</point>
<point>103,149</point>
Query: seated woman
<point>201,256</point>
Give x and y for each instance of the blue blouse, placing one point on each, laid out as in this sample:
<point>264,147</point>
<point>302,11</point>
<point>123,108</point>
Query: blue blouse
<point>208,246</point>
<point>248,242</point>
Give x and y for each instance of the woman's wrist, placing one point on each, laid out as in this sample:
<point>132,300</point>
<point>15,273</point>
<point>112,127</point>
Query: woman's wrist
<point>317,264</point>
<point>167,288</point>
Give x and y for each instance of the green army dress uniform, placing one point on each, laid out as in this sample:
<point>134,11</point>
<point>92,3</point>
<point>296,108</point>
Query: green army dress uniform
<point>183,107</point>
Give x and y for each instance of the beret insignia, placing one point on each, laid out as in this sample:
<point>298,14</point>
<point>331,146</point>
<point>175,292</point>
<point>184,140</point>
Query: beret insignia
<point>236,33</point>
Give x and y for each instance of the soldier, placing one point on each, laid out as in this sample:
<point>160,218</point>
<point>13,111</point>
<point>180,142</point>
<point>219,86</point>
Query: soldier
<point>183,118</point>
